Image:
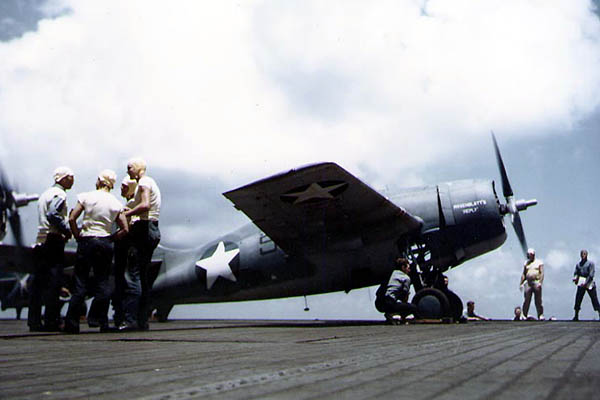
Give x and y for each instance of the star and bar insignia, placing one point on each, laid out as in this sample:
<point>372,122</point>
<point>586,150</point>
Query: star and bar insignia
<point>315,192</point>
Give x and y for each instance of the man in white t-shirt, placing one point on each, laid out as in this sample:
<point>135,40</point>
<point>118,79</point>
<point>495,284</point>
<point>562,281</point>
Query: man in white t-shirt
<point>94,248</point>
<point>145,236</point>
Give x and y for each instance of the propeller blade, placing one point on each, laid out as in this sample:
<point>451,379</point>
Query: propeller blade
<point>506,189</point>
<point>512,206</point>
<point>9,209</point>
<point>15,224</point>
<point>516,222</point>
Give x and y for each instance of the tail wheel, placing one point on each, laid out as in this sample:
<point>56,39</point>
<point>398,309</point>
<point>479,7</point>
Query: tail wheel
<point>432,304</point>
<point>162,312</point>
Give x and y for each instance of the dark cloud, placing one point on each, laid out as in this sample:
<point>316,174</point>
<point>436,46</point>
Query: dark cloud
<point>18,17</point>
<point>194,211</point>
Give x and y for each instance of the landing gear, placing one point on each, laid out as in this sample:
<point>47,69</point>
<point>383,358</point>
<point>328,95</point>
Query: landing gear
<point>456,306</point>
<point>433,299</point>
<point>162,312</point>
<point>432,304</point>
<point>438,304</point>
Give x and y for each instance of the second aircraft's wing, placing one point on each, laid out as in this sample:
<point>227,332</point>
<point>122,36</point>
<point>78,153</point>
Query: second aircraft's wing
<point>21,259</point>
<point>320,206</point>
<point>16,259</point>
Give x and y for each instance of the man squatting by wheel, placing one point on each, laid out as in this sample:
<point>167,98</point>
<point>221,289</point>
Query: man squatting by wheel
<point>392,295</point>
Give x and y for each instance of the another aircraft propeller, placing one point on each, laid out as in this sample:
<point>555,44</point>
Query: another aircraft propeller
<point>512,206</point>
<point>10,201</point>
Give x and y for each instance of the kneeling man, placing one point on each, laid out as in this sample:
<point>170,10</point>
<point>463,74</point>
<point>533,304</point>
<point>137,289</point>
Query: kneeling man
<point>392,296</point>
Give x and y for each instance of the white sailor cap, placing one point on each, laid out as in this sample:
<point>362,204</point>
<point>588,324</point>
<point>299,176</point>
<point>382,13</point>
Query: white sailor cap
<point>130,183</point>
<point>61,172</point>
<point>108,177</point>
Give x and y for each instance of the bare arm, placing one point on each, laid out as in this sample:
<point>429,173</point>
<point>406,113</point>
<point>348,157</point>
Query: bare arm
<point>144,204</point>
<point>123,225</point>
<point>75,213</point>
<point>541,273</point>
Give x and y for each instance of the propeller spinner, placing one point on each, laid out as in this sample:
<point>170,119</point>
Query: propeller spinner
<point>10,201</point>
<point>512,206</point>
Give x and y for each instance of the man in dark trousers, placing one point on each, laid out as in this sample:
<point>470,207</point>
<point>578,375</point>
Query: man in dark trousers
<point>49,253</point>
<point>144,236</point>
<point>392,295</point>
<point>100,210</point>
<point>583,277</point>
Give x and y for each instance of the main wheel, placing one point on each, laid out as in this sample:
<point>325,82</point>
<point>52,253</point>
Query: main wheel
<point>456,305</point>
<point>432,304</point>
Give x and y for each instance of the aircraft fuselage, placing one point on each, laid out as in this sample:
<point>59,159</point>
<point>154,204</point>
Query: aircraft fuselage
<point>461,220</point>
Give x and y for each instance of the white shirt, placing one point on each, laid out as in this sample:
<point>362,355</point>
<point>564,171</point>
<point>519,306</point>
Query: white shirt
<point>155,200</point>
<point>100,212</point>
<point>44,226</point>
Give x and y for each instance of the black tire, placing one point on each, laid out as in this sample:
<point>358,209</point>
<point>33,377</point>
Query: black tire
<point>432,304</point>
<point>162,312</point>
<point>456,305</point>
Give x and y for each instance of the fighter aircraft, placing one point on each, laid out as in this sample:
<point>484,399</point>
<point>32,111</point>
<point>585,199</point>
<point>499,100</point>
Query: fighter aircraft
<point>319,229</point>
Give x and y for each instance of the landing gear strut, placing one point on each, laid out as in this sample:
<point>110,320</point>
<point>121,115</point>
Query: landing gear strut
<point>433,298</point>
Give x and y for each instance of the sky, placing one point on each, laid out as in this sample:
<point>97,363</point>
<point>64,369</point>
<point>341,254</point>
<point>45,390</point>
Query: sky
<point>215,95</point>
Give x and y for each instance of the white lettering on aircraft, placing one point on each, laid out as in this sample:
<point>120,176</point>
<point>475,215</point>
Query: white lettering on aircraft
<point>470,207</point>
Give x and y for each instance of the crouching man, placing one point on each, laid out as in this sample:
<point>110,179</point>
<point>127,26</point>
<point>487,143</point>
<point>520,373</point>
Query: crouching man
<point>392,296</point>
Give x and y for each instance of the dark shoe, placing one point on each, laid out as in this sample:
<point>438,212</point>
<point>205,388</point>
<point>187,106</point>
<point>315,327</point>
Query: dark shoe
<point>51,328</point>
<point>68,328</point>
<point>36,328</point>
<point>108,329</point>
<point>94,323</point>
<point>125,327</point>
<point>575,318</point>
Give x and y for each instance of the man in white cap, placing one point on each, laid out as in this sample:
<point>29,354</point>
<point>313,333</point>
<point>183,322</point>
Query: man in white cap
<point>100,211</point>
<point>145,236</point>
<point>49,252</point>
<point>533,273</point>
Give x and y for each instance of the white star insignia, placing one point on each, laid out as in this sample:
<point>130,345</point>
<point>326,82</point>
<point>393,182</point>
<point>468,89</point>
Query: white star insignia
<point>314,192</point>
<point>218,265</point>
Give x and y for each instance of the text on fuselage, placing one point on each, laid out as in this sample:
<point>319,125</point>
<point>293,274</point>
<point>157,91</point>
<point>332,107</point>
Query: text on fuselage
<point>470,207</point>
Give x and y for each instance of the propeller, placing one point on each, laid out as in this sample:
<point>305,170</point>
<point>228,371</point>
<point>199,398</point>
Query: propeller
<point>10,201</point>
<point>512,206</point>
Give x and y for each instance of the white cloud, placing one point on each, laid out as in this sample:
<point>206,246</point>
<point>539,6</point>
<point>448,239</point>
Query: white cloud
<point>244,90</point>
<point>559,259</point>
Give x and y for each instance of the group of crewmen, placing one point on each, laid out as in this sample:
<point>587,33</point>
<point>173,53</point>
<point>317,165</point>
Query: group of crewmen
<point>533,277</point>
<point>392,295</point>
<point>109,230</point>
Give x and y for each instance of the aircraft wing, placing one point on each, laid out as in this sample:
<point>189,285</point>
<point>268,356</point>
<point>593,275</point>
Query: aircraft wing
<point>21,259</point>
<point>320,206</point>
